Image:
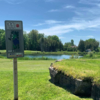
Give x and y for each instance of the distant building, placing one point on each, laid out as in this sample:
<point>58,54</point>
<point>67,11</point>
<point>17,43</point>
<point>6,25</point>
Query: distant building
<point>88,50</point>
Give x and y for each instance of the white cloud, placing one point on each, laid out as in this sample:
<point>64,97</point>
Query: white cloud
<point>69,6</point>
<point>61,29</point>
<point>61,37</point>
<point>90,36</point>
<point>52,21</point>
<point>98,5</point>
<point>49,22</point>
<point>49,0</point>
<point>54,10</point>
<point>39,24</point>
<point>87,13</point>
<point>58,10</point>
<point>94,9</point>
<point>91,2</point>
<point>54,32</point>
<point>15,1</point>
<point>27,31</point>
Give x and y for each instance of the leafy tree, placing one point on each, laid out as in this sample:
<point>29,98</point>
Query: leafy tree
<point>91,44</point>
<point>2,39</point>
<point>67,46</point>
<point>33,39</point>
<point>72,42</point>
<point>26,41</point>
<point>60,45</point>
<point>81,46</point>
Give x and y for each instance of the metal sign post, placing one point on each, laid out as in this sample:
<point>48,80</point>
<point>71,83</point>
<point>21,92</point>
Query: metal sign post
<point>14,47</point>
<point>15,78</point>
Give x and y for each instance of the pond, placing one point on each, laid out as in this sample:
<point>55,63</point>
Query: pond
<point>48,56</point>
<point>51,56</point>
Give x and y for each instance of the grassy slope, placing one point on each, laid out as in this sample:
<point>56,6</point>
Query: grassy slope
<point>81,68</point>
<point>33,81</point>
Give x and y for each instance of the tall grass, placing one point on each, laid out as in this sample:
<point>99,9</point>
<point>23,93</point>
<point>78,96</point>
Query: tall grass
<point>80,68</point>
<point>27,58</point>
<point>41,58</point>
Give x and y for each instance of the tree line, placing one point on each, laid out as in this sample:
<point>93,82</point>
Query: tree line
<point>38,41</point>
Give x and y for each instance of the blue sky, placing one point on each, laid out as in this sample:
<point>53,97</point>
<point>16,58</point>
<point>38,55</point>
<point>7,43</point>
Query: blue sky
<point>68,19</point>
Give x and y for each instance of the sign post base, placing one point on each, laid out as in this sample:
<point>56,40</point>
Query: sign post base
<point>15,78</point>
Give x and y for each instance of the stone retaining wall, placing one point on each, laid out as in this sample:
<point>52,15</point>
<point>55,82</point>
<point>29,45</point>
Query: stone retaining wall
<point>76,86</point>
<point>95,94</point>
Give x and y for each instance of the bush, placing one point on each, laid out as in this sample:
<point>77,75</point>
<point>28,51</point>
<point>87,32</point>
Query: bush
<point>1,57</point>
<point>97,50</point>
<point>76,56</point>
<point>72,57</point>
<point>93,51</point>
<point>91,54</point>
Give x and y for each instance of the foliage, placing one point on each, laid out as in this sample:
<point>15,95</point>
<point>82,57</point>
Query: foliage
<point>97,50</point>
<point>91,44</point>
<point>90,54</point>
<point>88,44</point>
<point>1,57</point>
<point>68,46</point>
<point>72,42</point>
<point>81,46</point>
<point>76,56</point>
<point>38,42</point>
<point>72,57</point>
<point>2,39</point>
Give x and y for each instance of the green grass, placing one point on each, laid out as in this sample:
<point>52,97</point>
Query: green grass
<point>33,81</point>
<point>41,58</point>
<point>81,69</point>
<point>52,53</point>
<point>27,58</point>
<point>92,55</point>
<point>3,51</point>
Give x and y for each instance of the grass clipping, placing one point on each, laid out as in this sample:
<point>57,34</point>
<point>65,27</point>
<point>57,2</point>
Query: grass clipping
<point>85,69</point>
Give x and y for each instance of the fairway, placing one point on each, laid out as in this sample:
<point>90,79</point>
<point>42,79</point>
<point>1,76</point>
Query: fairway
<point>33,81</point>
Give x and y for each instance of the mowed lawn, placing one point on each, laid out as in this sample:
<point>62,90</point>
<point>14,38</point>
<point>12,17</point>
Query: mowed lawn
<point>33,82</point>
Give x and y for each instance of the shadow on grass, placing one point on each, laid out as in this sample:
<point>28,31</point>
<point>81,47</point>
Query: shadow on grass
<point>67,89</point>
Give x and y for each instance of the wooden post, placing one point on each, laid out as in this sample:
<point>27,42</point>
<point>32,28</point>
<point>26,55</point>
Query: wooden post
<point>15,78</point>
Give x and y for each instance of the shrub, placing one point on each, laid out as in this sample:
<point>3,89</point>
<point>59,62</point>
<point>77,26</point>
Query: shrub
<point>91,54</point>
<point>76,56</point>
<point>93,51</point>
<point>97,50</point>
<point>72,57</point>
